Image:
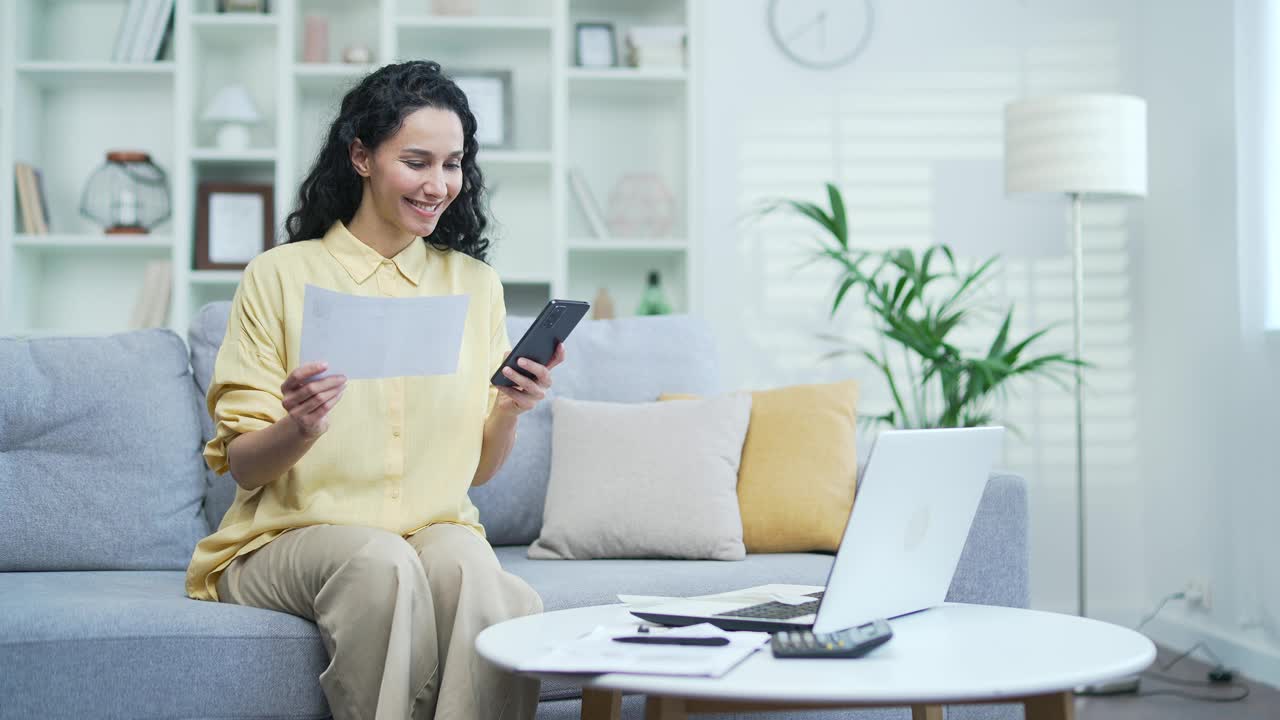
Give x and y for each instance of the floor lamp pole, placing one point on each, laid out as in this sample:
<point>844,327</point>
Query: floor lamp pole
<point>1078,292</point>
<point>1125,685</point>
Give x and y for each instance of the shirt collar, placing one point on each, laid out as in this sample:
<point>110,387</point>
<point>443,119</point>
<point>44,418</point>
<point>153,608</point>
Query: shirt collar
<point>360,261</point>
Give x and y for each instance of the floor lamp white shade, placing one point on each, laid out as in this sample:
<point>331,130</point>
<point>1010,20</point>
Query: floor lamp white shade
<point>1093,145</point>
<point>1077,144</point>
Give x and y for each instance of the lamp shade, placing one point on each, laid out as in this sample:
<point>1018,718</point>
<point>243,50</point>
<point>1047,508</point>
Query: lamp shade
<point>1089,144</point>
<point>231,104</point>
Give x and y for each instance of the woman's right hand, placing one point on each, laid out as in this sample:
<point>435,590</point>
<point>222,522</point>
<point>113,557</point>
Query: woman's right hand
<point>309,401</point>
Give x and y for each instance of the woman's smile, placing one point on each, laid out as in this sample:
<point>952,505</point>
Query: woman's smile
<point>424,209</point>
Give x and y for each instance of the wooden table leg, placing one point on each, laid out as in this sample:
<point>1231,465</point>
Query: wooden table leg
<point>660,708</point>
<point>1054,706</point>
<point>601,705</point>
<point>926,712</point>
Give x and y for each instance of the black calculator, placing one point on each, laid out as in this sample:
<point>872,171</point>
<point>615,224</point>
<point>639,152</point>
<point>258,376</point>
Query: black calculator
<point>851,643</point>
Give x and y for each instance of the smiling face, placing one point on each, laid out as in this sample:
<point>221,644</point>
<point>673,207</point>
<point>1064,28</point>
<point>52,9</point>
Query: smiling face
<point>416,173</point>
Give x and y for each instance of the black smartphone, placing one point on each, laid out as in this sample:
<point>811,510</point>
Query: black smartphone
<point>557,319</point>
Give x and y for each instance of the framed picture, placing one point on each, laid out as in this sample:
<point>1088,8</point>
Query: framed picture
<point>596,46</point>
<point>489,95</point>
<point>234,223</point>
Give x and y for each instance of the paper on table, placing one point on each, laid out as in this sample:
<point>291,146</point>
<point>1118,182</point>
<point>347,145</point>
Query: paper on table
<point>378,337</point>
<point>596,652</point>
<point>777,592</point>
<point>643,600</point>
<point>792,599</point>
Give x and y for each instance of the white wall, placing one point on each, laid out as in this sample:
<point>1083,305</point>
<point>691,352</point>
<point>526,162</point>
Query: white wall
<point>1198,499</point>
<point>1209,401</point>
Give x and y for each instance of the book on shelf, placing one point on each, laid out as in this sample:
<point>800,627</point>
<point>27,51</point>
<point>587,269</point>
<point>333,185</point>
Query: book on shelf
<point>125,31</point>
<point>159,32</point>
<point>42,202</point>
<point>144,31</point>
<point>31,199</point>
<point>25,193</point>
<point>587,201</point>
<point>152,306</point>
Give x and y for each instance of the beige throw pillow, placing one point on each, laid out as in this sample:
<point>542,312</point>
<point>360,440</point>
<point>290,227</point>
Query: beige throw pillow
<point>647,480</point>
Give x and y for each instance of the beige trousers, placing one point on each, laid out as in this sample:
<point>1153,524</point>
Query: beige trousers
<point>398,618</point>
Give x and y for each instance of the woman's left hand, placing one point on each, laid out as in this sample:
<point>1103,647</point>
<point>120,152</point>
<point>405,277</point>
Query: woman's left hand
<point>527,392</point>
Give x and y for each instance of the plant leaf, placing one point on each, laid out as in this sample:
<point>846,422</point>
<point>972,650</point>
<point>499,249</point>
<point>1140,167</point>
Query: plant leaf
<point>845,286</point>
<point>969,284</point>
<point>897,290</point>
<point>997,345</point>
<point>839,222</point>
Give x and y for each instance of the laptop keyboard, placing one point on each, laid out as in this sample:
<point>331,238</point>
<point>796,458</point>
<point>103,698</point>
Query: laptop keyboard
<point>774,610</point>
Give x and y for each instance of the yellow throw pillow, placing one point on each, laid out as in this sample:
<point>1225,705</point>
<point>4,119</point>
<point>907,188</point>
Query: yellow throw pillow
<point>799,467</point>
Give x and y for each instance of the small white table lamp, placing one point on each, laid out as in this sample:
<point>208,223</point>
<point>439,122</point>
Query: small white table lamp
<point>232,107</point>
<point>1081,145</point>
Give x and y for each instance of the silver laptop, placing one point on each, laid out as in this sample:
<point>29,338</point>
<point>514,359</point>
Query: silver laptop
<point>909,523</point>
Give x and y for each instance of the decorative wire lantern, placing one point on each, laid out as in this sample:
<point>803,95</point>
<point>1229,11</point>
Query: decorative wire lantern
<point>127,194</point>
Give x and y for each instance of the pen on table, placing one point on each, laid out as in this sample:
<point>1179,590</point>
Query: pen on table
<point>669,640</point>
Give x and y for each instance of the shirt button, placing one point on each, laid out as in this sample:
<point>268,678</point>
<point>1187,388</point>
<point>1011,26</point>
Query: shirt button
<point>395,494</point>
<point>395,433</point>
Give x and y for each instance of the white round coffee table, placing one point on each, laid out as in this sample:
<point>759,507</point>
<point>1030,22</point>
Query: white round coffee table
<point>953,654</point>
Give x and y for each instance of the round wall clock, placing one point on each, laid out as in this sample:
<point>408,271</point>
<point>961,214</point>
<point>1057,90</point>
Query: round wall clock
<point>820,34</point>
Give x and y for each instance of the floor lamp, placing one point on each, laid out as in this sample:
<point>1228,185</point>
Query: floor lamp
<point>1083,146</point>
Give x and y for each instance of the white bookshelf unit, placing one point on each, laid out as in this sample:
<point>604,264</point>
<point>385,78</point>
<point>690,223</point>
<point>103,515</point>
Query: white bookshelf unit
<point>63,104</point>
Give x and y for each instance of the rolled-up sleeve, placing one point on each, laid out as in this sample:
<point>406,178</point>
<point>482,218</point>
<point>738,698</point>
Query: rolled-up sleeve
<point>244,394</point>
<point>499,343</point>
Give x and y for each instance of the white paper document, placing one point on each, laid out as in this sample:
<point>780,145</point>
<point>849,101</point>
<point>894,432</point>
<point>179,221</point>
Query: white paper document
<point>597,652</point>
<point>380,337</point>
<point>776,592</point>
<point>639,601</point>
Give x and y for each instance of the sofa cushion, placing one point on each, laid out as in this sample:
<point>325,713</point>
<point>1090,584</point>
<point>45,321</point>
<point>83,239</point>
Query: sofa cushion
<point>131,644</point>
<point>645,480</point>
<point>205,335</point>
<point>100,463</point>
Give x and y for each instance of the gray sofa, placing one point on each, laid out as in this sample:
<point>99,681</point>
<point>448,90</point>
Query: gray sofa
<point>103,494</point>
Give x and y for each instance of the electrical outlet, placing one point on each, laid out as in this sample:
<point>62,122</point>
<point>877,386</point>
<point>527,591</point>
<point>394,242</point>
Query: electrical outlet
<point>1197,595</point>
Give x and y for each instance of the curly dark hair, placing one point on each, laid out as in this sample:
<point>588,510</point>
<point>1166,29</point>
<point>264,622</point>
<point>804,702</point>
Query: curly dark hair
<point>373,111</point>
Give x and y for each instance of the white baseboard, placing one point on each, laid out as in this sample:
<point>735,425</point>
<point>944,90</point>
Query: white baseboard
<point>1251,656</point>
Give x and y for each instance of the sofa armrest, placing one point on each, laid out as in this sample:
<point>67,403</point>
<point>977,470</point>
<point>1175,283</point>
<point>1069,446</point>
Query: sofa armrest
<point>993,566</point>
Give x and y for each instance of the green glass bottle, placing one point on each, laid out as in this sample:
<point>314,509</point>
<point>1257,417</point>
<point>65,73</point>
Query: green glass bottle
<point>653,301</point>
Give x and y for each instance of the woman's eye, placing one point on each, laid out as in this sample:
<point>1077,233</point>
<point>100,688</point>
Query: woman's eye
<point>414,164</point>
<point>454,166</point>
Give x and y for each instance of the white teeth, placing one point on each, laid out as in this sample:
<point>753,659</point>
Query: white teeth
<point>424,206</point>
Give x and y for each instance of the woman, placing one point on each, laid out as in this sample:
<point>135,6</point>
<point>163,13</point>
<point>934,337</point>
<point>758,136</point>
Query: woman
<point>352,505</point>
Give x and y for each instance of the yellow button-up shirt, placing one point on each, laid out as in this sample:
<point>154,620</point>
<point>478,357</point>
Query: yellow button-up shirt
<point>400,452</point>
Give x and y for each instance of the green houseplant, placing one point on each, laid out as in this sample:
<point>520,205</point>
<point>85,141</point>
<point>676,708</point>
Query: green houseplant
<point>919,302</point>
